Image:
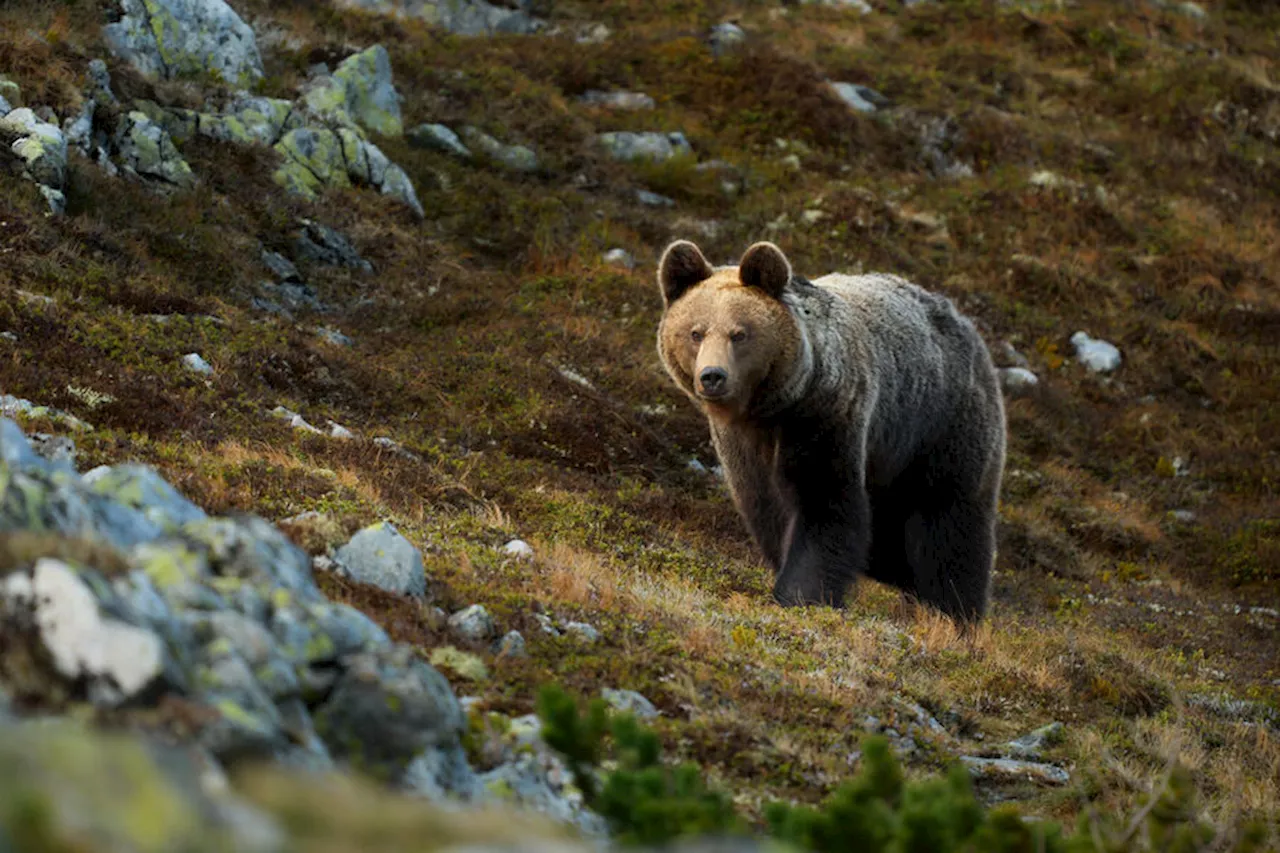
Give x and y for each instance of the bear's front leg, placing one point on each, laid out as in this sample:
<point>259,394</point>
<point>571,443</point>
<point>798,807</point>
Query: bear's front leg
<point>750,459</point>
<point>827,544</point>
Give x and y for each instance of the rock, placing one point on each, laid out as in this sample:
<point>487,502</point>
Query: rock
<point>173,39</point>
<point>652,199</point>
<point>462,17</point>
<point>860,6</point>
<point>462,663</point>
<point>316,159</point>
<point>1183,516</point>
<point>142,488</point>
<point>518,548</point>
<point>582,630</point>
<point>1010,355</point>
<point>245,120</point>
<point>338,431</point>
<point>859,98</point>
<point>146,149</point>
<point>10,92</point>
<point>512,645</point>
<point>440,774</point>
<point>545,623</point>
<point>1097,355</point>
<point>359,94</point>
<point>619,258</point>
<point>619,100</point>
<point>650,145</point>
<point>294,420</point>
<point>320,244</point>
<point>1017,380</point>
<point>55,448</point>
<point>936,138</point>
<point>537,780</point>
<point>726,38</point>
<point>281,267</point>
<point>437,137</point>
<point>380,556</point>
<point>996,769</point>
<point>193,362</point>
<point>473,623</point>
<point>1033,744</point>
<point>117,661</point>
<point>123,792</point>
<point>334,337</point>
<point>630,702</point>
<point>250,548</point>
<point>40,146</point>
<point>517,158</point>
<point>387,708</point>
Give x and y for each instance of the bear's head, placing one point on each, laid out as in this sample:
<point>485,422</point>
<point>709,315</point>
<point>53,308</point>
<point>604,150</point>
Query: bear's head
<point>725,332</point>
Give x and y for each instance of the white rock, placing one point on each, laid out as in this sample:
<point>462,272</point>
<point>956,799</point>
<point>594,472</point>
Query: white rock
<point>583,630</point>
<point>1097,355</point>
<point>473,623</point>
<point>1017,380</point>
<point>193,362</point>
<point>857,97</point>
<point>617,100</point>
<point>338,431</point>
<point>118,659</point>
<point>619,258</point>
<point>174,38</point>
<point>518,548</point>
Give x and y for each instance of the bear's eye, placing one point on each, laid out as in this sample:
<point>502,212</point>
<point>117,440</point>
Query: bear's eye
<point>696,335</point>
<point>738,336</point>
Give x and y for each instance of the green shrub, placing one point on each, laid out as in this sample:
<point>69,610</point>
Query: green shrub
<point>877,811</point>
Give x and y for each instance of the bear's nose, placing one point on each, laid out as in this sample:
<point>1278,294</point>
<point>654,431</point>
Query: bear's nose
<point>714,381</point>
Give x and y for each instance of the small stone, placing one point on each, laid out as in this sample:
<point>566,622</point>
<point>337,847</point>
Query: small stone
<point>617,100</point>
<point>519,549</point>
<point>1017,380</point>
<point>1033,744</point>
<point>619,258</point>
<point>472,623</point>
<point>517,158</point>
<point>652,199</point>
<point>340,432</point>
<point>294,419</point>
<point>1183,516</point>
<point>859,98</point>
<point>1097,355</point>
<point>193,362</point>
<point>726,37</point>
<point>582,630</point>
<point>1011,356</point>
<point>695,465</point>
<point>545,623</point>
<point>630,702</point>
<point>380,556</point>
<point>512,645</point>
<point>628,146</point>
<point>55,448</point>
<point>1008,769</point>
<point>437,137</point>
<point>335,337</point>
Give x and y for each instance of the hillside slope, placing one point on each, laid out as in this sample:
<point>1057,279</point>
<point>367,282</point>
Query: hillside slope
<point>451,300</point>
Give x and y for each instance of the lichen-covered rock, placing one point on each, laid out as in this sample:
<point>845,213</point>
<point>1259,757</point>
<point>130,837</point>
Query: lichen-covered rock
<point>473,623</point>
<point>318,243</point>
<point>462,664</point>
<point>617,100</point>
<point>173,39</point>
<point>123,793</point>
<point>142,488</point>
<point>146,149</point>
<point>359,94</point>
<point>316,159</point>
<point>1007,769</point>
<point>437,137</point>
<point>516,158</point>
<point>442,773</point>
<point>386,709</point>
<point>116,661</point>
<point>40,146</point>
<point>249,548</point>
<point>381,556</point>
<point>462,17</point>
<point>629,146</point>
<point>1032,744</point>
<point>629,702</point>
<point>511,645</point>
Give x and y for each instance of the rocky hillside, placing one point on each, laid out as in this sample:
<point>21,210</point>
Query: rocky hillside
<point>334,429</point>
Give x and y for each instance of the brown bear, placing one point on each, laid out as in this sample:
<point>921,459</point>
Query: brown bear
<point>858,420</point>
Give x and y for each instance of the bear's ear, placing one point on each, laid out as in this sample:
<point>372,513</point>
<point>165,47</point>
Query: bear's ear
<point>682,266</point>
<point>765,267</point>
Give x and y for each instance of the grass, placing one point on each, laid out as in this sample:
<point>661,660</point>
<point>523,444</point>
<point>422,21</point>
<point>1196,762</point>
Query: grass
<point>1108,612</point>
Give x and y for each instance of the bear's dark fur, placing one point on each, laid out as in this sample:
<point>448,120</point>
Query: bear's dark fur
<point>858,420</point>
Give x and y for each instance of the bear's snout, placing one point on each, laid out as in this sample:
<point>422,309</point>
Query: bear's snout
<point>713,382</point>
